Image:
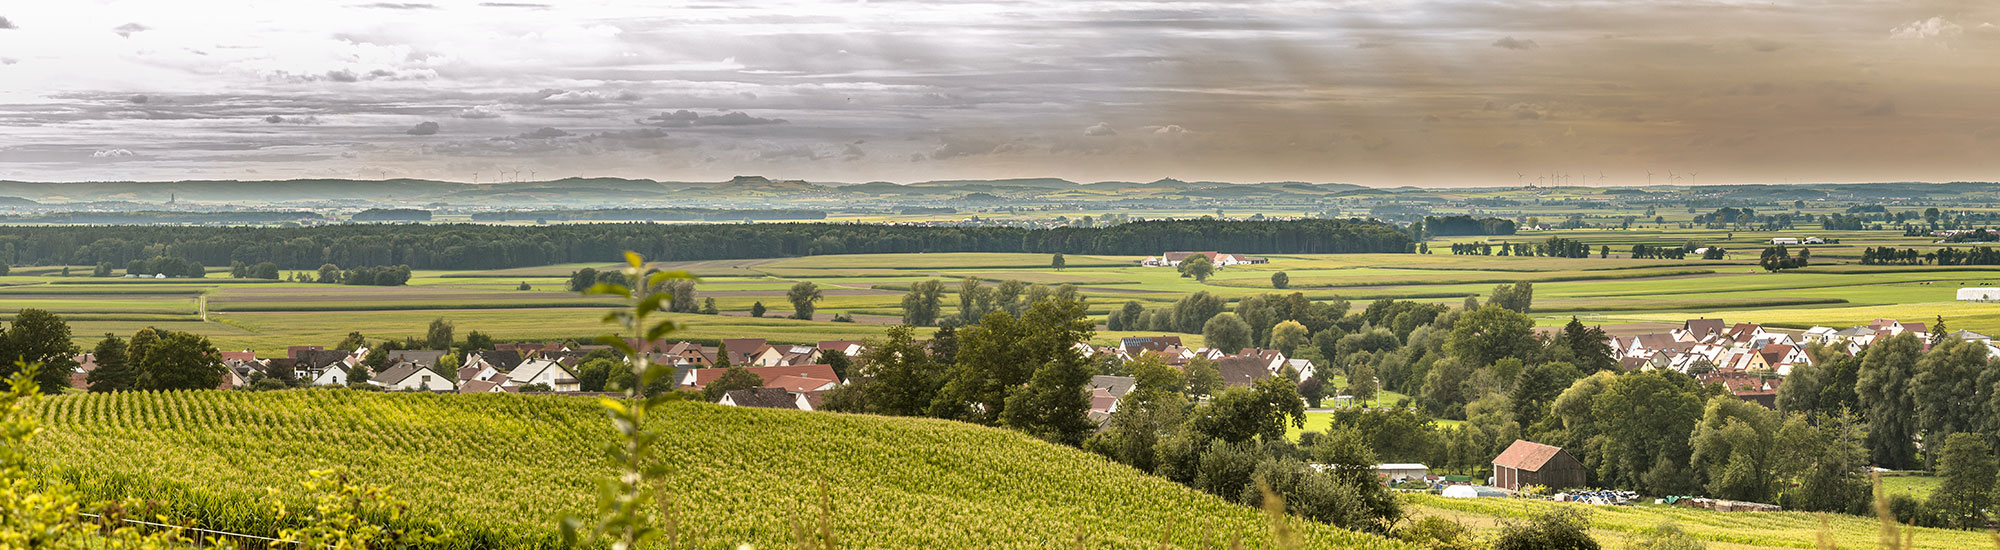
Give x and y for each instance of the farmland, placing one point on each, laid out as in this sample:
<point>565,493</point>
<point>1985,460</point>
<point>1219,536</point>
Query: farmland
<point>497,470</point>
<point>1623,294</point>
<point>1614,526</point>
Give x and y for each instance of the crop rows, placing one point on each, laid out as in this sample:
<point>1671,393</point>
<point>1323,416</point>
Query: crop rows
<point>497,470</point>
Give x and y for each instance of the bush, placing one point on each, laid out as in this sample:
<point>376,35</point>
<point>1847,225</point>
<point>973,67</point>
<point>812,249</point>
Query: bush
<point>1436,533</point>
<point>1559,529</point>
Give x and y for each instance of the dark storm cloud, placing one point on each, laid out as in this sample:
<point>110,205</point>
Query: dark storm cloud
<point>6,24</point>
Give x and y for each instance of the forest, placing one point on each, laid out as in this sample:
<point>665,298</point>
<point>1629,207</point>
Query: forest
<point>461,246</point>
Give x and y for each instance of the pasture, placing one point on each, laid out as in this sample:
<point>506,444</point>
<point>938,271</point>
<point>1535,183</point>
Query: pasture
<point>1623,294</point>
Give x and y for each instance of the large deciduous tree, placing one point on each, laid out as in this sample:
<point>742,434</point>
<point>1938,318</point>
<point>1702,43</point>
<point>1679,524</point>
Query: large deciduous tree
<point>114,372</point>
<point>923,304</point>
<point>181,361</point>
<point>1226,332</point>
<point>37,336</point>
<point>1884,385</point>
<point>803,297</point>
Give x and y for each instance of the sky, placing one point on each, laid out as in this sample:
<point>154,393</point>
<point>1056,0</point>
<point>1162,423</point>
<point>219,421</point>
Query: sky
<point>1372,92</point>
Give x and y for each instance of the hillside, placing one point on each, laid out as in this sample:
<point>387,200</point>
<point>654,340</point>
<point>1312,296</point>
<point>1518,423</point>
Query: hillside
<point>499,469</point>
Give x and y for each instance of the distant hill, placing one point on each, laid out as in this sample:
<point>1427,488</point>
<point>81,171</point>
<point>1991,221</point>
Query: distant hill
<point>499,468</point>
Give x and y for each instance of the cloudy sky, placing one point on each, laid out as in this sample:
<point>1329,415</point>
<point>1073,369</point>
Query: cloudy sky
<point>1377,92</point>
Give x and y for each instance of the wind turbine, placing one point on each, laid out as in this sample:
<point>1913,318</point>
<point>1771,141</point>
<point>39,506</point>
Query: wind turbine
<point>531,175</point>
<point>1672,177</point>
<point>1649,177</point>
<point>1518,177</point>
<point>475,177</point>
<point>1691,177</point>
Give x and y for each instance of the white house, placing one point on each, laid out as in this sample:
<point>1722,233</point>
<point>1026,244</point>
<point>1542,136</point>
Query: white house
<point>334,375</point>
<point>411,377</point>
<point>545,372</point>
<point>1979,294</point>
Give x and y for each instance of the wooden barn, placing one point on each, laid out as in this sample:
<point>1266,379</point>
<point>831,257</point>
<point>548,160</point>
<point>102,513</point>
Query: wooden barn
<point>1529,463</point>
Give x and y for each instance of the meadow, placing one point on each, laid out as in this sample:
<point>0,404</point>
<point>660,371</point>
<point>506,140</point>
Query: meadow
<point>1617,526</point>
<point>1625,295</point>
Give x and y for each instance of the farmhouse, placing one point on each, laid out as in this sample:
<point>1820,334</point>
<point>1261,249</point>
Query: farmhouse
<point>1528,463</point>
<point>411,377</point>
<point>766,398</point>
<point>544,372</point>
<point>1174,259</point>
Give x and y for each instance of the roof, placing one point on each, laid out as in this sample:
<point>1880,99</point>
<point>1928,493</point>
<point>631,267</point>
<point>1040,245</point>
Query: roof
<point>478,386</point>
<point>396,374</point>
<point>763,398</point>
<point>245,355</point>
<point>1527,455</point>
<point>799,384</point>
<point>1239,370</point>
<point>503,360</point>
<point>1401,466</point>
<point>770,374</point>
<point>533,368</point>
<point>1969,335</point>
<point>1917,327</point>
<point>425,357</point>
<point>322,358</point>
<point>1704,326</point>
<point>1101,400</point>
<point>1118,386</point>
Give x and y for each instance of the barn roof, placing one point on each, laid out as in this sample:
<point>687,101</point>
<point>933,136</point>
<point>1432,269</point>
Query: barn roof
<point>1527,455</point>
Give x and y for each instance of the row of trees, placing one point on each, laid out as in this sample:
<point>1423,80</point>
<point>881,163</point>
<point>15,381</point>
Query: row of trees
<point>1467,225</point>
<point>451,246</point>
<point>362,276</point>
<point>152,359</point>
<point>924,302</point>
<point>1889,255</point>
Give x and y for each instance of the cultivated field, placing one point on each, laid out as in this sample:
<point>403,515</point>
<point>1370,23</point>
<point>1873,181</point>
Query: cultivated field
<point>1625,295</point>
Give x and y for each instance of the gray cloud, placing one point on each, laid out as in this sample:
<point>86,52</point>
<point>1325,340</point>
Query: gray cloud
<point>307,120</point>
<point>139,99</point>
<point>544,132</point>
<point>425,128</point>
<point>477,111</point>
<point>113,153</point>
<point>684,119</point>
<point>513,5</point>
<point>1513,44</point>
<point>6,24</point>
<point>574,97</point>
<point>342,75</point>
<point>129,29</point>
<point>400,6</point>
<point>1100,129</point>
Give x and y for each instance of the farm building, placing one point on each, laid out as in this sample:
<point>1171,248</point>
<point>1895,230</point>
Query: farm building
<point>1174,259</point>
<point>1402,471</point>
<point>1979,294</point>
<point>1785,240</point>
<point>1528,463</point>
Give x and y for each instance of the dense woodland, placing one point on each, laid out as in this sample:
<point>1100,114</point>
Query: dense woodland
<point>462,246</point>
<point>655,214</point>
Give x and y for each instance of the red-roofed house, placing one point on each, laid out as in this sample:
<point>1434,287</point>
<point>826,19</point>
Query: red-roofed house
<point>699,378</point>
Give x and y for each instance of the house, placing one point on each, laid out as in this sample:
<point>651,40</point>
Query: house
<point>699,378</point>
<point>687,353</point>
<point>1174,259</point>
<point>424,357</point>
<point>1979,294</point>
<point>1274,360</point>
<point>801,384</point>
<point>407,376</point>
<point>1818,335</point>
<point>1696,330</point>
<point>1238,370</point>
<point>1116,386</point>
<point>765,398</point>
<point>1528,463</point>
<point>1794,241</point>
<point>1402,471</point>
<point>545,372</point>
<point>744,351</point>
<point>1102,404</point>
<point>850,348</point>
<point>1970,336</point>
<point>503,360</point>
<point>1304,367</point>
<point>481,386</point>
<point>334,375</point>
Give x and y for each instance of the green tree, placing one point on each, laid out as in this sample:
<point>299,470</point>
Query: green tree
<point>1828,463</point>
<point>1054,405</point>
<point>1201,377</point>
<point>923,304</point>
<point>1584,347</point>
<point>803,296</point>
<point>757,309</point>
<point>1950,388</point>
<point>900,378</point>
<point>838,361</point>
<point>1226,332</point>
<point>353,341</point>
<point>440,335</point>
<point>1735,451</point>
<point>476,341</point>
<point>1193,311</point>
<point>1361,382</point>
<point>1492,333</point>
<point>181,361</point>
<point>1000,355</point>
<point>1007,296</point>
<point>1518,297</point>
<point>113,372</point>
<point>1884,386</point>
<point>1536,390</point>
<point>1646,451</point>
<point>1288,337</point>
<point>1151,412</point>
<point>974,300</point>
<point>1966,463</point>
<point>1239,414</point>
<point>135,350</point>
<point>579,280</point>
<point>40,337</point>
<point>593,375</point>
<point>708,307</point>
<point>732,379</point>
<point>1057,262</point>
<point>1281,281</point>
<point>1197,266</point>
<point>329,273</point>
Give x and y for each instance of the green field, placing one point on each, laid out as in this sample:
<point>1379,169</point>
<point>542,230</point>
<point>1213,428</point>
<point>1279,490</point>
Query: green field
<point>496,471</point>
<point>1625,295</point>
<point>1614,526</point>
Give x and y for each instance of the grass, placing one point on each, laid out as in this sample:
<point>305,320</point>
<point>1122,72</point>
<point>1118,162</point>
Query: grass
<point>1616,526</point>
<point>497,470</point>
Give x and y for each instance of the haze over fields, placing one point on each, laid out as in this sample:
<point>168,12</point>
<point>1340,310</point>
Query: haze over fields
<point>1380,93</point>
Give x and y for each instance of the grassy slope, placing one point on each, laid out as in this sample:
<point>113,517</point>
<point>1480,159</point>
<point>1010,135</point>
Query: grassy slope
<point>502,467</point>
<point>1614,525</point>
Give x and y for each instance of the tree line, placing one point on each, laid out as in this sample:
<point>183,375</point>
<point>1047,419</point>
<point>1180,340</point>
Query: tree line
<point>1889,255</point>
<point>473,246</point>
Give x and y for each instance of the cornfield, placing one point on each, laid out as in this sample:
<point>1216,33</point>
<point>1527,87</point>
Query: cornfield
<point>496,471</point>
